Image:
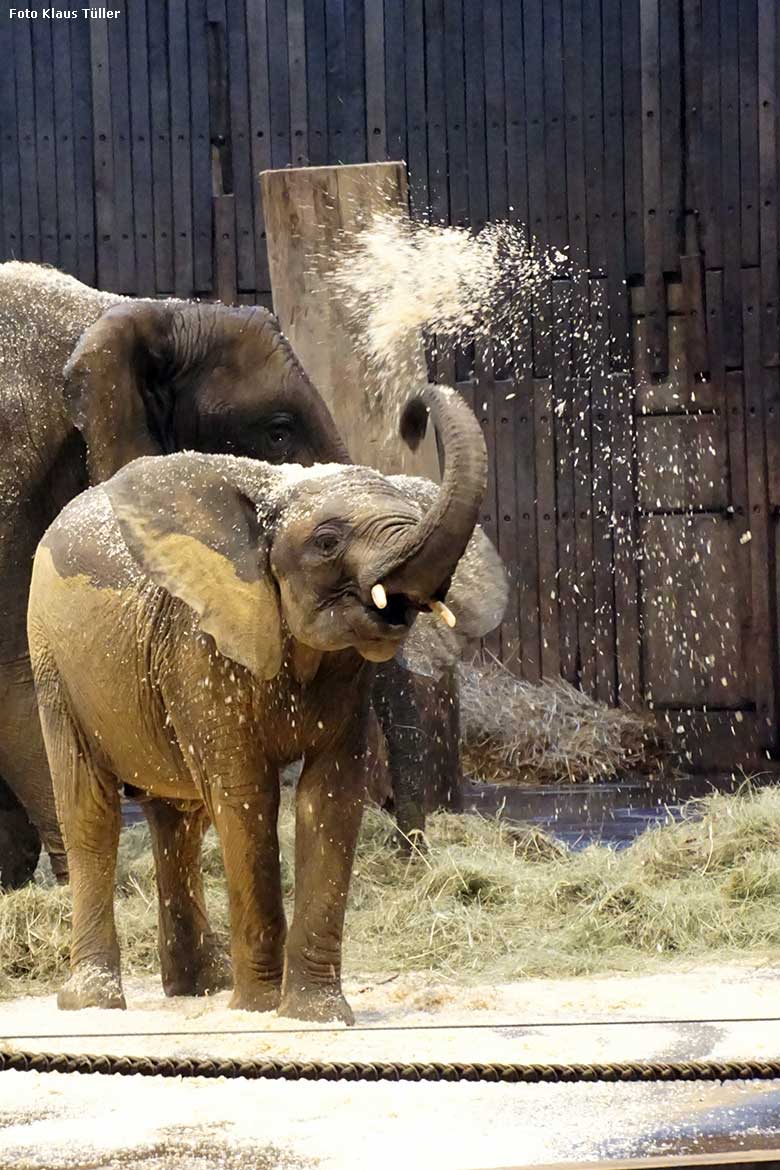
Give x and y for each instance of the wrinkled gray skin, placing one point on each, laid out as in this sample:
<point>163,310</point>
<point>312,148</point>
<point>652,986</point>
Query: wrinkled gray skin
<point>195,624</point>
<point>142,377</point>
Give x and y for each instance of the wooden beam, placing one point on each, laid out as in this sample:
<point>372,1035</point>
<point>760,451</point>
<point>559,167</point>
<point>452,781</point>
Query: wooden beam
<point>307,210</point>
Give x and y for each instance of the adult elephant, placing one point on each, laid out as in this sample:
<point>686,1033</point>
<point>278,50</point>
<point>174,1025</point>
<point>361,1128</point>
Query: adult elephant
<point>141,377</point>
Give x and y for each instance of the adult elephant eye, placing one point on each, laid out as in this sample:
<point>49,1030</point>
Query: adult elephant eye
<point>278,440</point>
<point>326,542</point>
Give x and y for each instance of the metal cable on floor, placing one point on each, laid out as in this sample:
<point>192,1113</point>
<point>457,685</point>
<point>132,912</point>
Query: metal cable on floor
<point>646,1072</point>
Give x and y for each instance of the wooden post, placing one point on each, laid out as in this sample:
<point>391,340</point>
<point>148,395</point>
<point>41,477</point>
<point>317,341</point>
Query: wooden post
<point>307,210</point>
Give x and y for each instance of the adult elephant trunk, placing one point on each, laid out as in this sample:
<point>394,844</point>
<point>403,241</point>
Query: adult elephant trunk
<point>420,560</point>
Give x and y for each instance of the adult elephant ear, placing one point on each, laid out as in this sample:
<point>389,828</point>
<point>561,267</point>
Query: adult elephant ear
<point>191,522</point>
<point>105,380</point>
<point>477,596</point>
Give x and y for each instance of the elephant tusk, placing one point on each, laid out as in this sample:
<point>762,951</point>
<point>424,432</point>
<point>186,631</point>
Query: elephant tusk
<point>446,614</point>
<point>379,597</point>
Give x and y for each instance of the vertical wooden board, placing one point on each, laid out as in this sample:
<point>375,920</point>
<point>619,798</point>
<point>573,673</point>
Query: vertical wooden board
<point>768,112</point>
<point>495,113</point>
<point>455,90</point>
<point>695,319</point>
<point>354,95</point>
<point>574,114</point>
<point>141,149</point>
<point>124,230</point>
<point>554,124</point>
<point>376,122</point>
<point>514,96</point>
<point>762,644</point>
<point>593,36</point>
<point>316,81</point>
<point>62,90</point>
<point>260,111</point>
<point>416,136</point>
<point>25,115</point>
<point>435,97</point>
<point>771,380</point>
<point>162,194</point>
<point>655,297</point>
<point>615,209</point>
<point>299,101</point>
<point>523,408</point>
<point>84,160</point>
<point>244,182</point>
<point>629,679</point>
<point>181,151</point>
<point>712,193</point>
<point>200,137</point>
<point>45,147</point>
<point>601,454</point>
<point>738,489</point>
<point>583,511</point>
<point>279,84</point>
<point>671,134</point>
<point>9,149</point>
<point>542,329</point>
<point>103,140</point>
<point>225,272</point>
<point>337,65</point>
<point>632,130</point>
<point>533,57</point>
<point>692,95</point>
<point>563,406</point>
<point>549,609</point>
<point>395,79</point>
<point>748,130</point>
<point>484,405</point>
<point>730,161</point>
<point>506,458</point>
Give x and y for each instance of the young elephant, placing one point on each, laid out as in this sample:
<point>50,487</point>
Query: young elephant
<point>199,621</point>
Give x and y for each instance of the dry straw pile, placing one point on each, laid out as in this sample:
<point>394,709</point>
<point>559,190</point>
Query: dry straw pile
<point>488,900</point>
<point>516,732</point>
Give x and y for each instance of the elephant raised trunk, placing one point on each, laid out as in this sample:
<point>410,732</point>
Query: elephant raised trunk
<point>421,559</point>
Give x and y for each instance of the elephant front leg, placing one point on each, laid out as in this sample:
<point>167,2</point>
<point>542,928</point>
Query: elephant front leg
<point>192,962</point>
<point>329,808</point>
<point>245,814</point>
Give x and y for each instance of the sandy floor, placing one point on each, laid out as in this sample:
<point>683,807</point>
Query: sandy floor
<point>56,1121</point>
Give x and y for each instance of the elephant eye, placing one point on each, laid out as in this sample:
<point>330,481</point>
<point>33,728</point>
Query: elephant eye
<point>327,542</point>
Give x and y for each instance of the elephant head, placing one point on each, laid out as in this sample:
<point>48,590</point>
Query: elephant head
<point>153,377</point>
<point>255,550</point>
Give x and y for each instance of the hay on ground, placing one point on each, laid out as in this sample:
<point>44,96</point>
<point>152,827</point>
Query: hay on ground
<point>488,901</point>
<point>515,732</point>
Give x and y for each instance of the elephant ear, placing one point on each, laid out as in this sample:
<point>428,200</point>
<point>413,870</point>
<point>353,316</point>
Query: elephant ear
<point>191,524</point>
<point>477,596</point>
<point>105,379</point>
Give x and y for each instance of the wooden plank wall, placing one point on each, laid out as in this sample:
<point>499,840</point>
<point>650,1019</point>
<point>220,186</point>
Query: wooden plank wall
<point>633,436</point>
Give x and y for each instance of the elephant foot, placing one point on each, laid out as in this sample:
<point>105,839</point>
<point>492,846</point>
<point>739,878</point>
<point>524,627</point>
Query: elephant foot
<point>316,1004</point>
<point>205,975</point>
<point>263,997</point>
<point>91,986</point>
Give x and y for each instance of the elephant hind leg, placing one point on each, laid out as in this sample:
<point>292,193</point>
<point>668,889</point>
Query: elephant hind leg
<point>88,804</point>
<point>191,960</point>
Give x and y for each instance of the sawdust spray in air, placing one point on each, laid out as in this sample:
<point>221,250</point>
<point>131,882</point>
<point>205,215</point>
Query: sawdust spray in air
<point>398,278</point>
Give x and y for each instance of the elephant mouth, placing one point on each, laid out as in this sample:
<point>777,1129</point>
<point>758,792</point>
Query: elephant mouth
<point>398,612</point>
